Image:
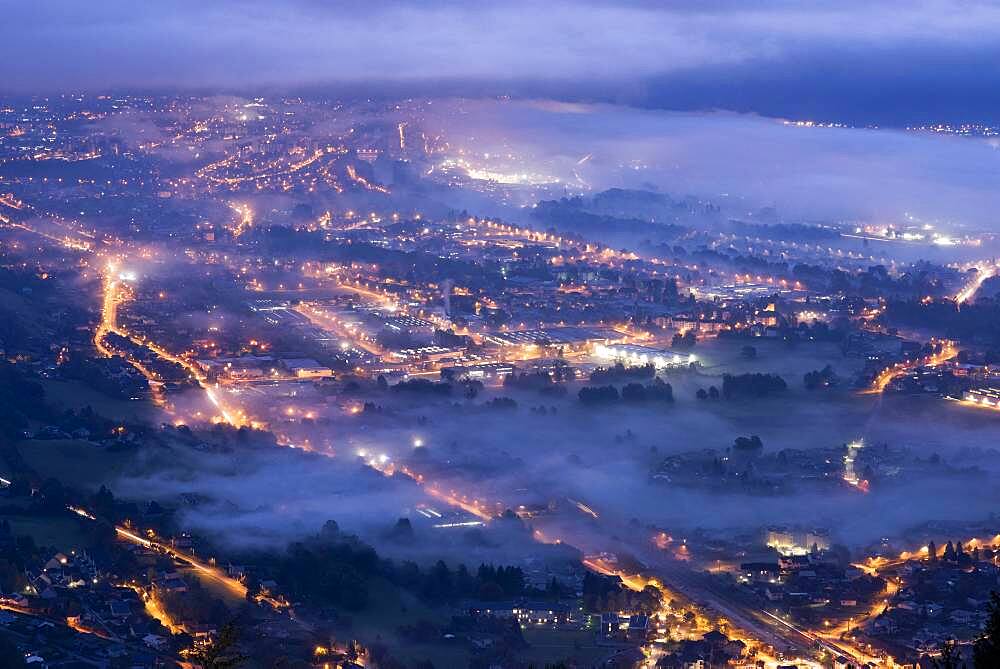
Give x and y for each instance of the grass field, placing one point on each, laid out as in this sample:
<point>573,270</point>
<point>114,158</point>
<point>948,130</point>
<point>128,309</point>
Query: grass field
<point>388,608</point>
<point>74,462</point>
<point>575,646</point>
<point>76,395</point>
<point>63,534</point>
<point>724,356</point>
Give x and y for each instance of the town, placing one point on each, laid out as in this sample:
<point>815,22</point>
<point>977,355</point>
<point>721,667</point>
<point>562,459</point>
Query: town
<point>317,377</point>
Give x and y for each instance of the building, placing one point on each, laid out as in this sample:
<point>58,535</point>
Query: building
<point>414,329</point>
<point>987,397</point>
<point>485,372</point>
<point>632,355</point>
<point>306,368</point>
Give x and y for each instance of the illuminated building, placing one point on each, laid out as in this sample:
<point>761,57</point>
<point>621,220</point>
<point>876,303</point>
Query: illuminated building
<point>306,368</point>
<point>632,355</point>
<point>790,542</point>
<point>987,397</point>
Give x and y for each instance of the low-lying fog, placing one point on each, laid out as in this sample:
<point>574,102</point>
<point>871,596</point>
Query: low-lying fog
<point>808,172</point>
<point>603,457</point>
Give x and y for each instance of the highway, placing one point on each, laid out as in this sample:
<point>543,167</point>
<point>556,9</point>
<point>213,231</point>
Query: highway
<point>743,612</point>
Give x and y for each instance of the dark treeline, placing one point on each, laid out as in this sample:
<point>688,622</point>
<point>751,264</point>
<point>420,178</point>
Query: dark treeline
<point>333,568</point>
<point>632,393</point>
<point>571,215</point>
<point>751,386</point>
<point>820,378</point>
<point>416,266</point>
<point>21,399</point>
<point>751,444</point>
<point>620,372</point>
<point>657,391</point>
<point>684,340</point>
<point>793,231</point>
<point>422,386</point>
<point>599,395</point>
<point>542,382</point>
<point>979,321</point>
<point>607,593</point>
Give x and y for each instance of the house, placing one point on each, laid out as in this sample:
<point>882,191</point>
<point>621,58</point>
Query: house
<point>120,609</point>
<point>543,613</point>
<point>760,572</point>
<point>154,641</point>
<point>497,609</point>
<point>610,625</point>
<point>884,625</point>
<point>170,583</point>
<point>638,627</point>
<point>963,617</point>
<point>306,368</point>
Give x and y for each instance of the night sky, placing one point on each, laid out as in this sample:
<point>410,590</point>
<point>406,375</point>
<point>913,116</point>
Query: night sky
<point>854,61</point>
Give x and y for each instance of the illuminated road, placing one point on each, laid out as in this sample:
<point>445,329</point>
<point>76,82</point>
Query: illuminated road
<point>318,316</point>
<point>746,615</point>
<point>110,301</point>
<point>353,175</point>
<point>968,292</point>
<point>245,221</point>
<point>109,312</point>
<point>882,381</point>
<point>233,586</point>
<point>744,618</point>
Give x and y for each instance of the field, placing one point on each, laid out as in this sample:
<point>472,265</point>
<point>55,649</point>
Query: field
<point>76,395</point>
<point>724,356</point>
<point>76,463</point>
<point>388,608</point>
<point>576,646</point>
<point>62,533</point>
<point>391,607</point>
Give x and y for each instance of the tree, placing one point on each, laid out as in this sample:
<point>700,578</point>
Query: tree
<point>686,340</point>
<point>598,395</point>
<point>659,391</point>
<point>222,652</point>
<point>950,658</point>
<point>932,552</point>
<point>701,394</point>
<point>633,392</point>
<point>986,650</point>
<point>751,444</point>
<point>10,656</point>
<point>820,378</point>
<point>751,385</point>
<point>104,504</point>
<point>472,389</point>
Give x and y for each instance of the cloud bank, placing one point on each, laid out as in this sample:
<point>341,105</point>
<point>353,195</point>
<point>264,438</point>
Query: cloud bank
<point>748,56</point>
